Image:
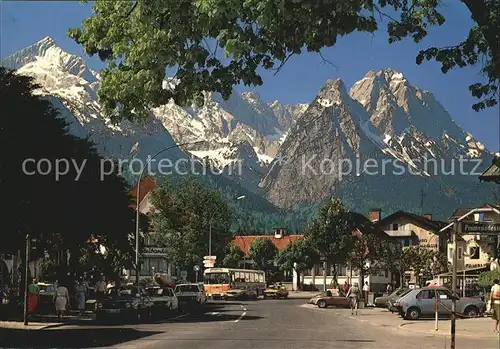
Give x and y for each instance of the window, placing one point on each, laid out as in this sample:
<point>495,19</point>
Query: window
<point>450,253</point>
<point>474,252</point>
<point>217,278</point>
<point>261,278</point>
<point>247,277</point>
<point>460,253</point>
<point>395,226</point>
<point>252,277</point>
<point>386,273</point>
<point>406,242</point>
<point>187,288</point>
<point>426,294</point>
<point>444,294</point>
<point>153,292</point>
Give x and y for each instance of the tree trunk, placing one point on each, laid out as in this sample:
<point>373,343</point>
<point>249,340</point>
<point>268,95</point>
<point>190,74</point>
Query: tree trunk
<point>313,276</point>
<point>325,264</point>
<point>335,281</point>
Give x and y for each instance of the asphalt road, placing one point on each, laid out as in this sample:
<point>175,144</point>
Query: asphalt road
<point>266,324</point>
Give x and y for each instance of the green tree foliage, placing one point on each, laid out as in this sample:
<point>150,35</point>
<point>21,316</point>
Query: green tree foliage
<point>263,252</point>
<point>182,220</point>
<point>65,213</point>
<point>258,221</point>
<point>330,234</point>
<point>486,278</point>
<point>298,255</point>
<point>375,247</point>
<point>254,214</point>
<point>425,263</point>
<point>233,257</point>
<point>141,40</point>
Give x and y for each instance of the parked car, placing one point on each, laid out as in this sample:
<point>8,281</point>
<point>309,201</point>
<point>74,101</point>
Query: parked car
<point>421,302</point>
<point>326,299</point>
<point>381,302</point>
<point>130,302</point>
<point>276,291</point>
<point>190,293</point>
<point>394,304</point>
<point>165,303</point>
<point>241,293</point>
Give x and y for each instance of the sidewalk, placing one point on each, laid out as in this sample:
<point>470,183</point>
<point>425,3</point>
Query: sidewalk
<point>19,325</point>
<point>476,328</point>
<point>302,294</point>
<point>46,321</point>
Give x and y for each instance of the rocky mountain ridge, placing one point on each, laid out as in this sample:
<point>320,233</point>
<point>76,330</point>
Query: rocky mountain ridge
<point>291,154</point>
<point>382,143</point>
<point>223,130</point>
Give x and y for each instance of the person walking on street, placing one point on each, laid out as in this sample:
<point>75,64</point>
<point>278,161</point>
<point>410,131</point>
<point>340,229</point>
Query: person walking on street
<point>389,289</point>
<point>81,296</point>
<point>495,302</point>
<point>366,291</point>
<point>33,293</point>
<point>353,294</point>
<point>100,289</point>
<point>61,300</point>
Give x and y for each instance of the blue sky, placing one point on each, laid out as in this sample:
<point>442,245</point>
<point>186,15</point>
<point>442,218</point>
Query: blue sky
<point>25,22</point>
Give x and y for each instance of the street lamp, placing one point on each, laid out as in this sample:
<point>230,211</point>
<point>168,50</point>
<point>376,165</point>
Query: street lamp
<point>241,197</point>
<point>138,203</point>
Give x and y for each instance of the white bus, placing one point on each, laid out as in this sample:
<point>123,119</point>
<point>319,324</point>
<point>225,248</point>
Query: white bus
<point>218,281</point>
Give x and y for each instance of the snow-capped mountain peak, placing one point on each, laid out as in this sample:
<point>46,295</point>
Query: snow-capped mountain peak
<point>45,53</point>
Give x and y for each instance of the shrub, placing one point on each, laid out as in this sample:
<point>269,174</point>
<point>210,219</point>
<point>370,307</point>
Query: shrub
<point>486,278</point>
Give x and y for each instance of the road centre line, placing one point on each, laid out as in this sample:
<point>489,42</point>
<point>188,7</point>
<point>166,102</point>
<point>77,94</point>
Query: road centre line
<point>241,317</point>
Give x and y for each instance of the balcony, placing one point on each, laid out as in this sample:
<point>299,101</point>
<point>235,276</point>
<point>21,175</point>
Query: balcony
<point>399,233</point>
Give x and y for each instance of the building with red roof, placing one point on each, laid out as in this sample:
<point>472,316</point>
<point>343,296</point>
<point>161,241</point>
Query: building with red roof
<point>279,239</point>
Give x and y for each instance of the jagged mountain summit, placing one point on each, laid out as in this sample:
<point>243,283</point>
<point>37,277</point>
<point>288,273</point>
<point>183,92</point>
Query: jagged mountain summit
<point>401,111</point>
<point>383,143</point>
<point>72,87</point>
<point>67,81</point>
<point>227,129</point>
<point>289,153</point>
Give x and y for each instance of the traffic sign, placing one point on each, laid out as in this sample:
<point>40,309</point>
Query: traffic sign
<point>196,268</point>
<point>208,263</point>
<point>481,228</point>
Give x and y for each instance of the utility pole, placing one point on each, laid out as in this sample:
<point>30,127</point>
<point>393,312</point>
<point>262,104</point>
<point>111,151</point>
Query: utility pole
<point>324,275</point>
<point>26,276</point>
<point>210,237</point>
<point>456,230</point>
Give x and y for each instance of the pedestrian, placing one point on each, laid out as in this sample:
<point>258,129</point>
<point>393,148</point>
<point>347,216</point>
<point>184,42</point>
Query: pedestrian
<point>353,295</point>
<point>100,289</point>
<point>366,291</point>
<point>389,288</point>
<point>81,296</point>
<point>495,302</point>
<point>61,300</point>
<point>33,294</point>
<point>345,289</point>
